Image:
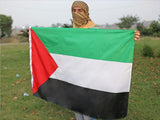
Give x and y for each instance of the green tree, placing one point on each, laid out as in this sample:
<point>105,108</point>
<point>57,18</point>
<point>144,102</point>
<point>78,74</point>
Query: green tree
<point>5,25</point>
<point>127,21</point>
<point>153,30</point>
<point>140,26</point>
<point>146,31</point>
<point>155,26</point>
<point>24,33</point>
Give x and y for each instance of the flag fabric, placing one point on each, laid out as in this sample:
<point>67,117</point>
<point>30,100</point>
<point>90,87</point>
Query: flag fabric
<point>84,70</point>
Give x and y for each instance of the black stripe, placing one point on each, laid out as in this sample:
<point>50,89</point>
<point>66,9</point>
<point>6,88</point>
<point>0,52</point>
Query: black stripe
<point>97,104</point>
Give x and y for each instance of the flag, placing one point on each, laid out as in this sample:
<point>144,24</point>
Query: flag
<point>84,70</point>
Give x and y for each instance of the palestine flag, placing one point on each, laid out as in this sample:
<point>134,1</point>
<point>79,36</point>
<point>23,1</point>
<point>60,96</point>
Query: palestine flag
<point>84,70</point>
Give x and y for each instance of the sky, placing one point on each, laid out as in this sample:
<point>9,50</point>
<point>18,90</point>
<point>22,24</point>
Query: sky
<point>48,12</point>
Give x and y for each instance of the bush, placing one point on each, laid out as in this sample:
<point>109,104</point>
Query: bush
<point>146,31</point>
<point>147,51</point>
<point>156,34</point>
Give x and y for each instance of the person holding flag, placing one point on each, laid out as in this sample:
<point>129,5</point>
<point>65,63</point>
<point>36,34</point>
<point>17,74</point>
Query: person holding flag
<point>81,19</point>
<point>85,70</point>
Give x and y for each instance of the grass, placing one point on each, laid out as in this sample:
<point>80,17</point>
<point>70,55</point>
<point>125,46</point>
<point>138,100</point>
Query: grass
<point>144,94</point>
<point>14,106</point>
<point>145,86</point>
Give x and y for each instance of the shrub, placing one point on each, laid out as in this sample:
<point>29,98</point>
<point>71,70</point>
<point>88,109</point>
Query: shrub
<point>147,51</point>
<point>146,31</point>
<point>156,34</point>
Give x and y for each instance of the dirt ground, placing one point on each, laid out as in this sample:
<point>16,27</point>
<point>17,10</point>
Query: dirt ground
<point>13,39</point>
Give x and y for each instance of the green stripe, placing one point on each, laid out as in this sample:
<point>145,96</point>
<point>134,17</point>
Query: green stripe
<point>101,44</point>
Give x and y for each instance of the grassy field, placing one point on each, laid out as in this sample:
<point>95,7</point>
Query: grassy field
<point>144,100</point>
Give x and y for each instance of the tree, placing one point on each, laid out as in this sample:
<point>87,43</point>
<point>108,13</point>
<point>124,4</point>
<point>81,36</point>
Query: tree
<point>155,26</point>
<point>68,25</point>
<point>153,30</point>
<point>140,26</point>
<point>5,25</point>
<point>146,31</point>
<point>24,33</point>
<point>59,25</point>
<point>127,21</point>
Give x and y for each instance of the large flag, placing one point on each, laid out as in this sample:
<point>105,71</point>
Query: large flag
<point>84,70</point>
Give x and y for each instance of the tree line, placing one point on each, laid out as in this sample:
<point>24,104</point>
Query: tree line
<point>153,30</point>
<point>125,23</point>
<point>128,21</point>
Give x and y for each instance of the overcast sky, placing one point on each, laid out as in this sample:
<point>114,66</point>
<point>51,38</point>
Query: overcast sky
<point>47,12</point>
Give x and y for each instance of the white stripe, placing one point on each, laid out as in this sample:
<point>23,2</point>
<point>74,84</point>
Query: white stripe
<point>100,75</point>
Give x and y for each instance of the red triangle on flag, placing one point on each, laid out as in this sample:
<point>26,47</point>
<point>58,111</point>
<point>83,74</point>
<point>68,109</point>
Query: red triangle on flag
<point>42,63</point>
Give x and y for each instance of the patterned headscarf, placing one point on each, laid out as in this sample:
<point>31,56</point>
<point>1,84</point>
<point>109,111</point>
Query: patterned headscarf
<point>80,19</point>
<point>82,5</point>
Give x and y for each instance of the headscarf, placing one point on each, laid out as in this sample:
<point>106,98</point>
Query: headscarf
<point>81,20</point>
